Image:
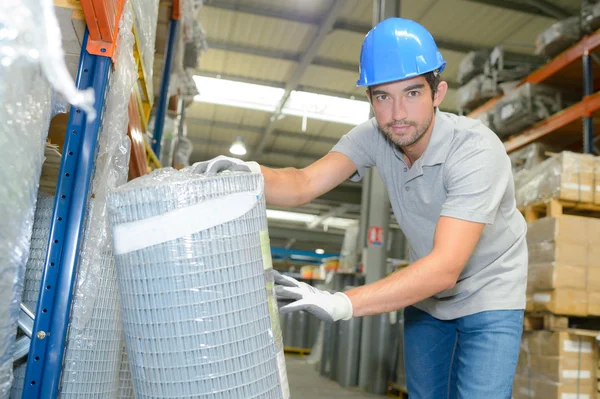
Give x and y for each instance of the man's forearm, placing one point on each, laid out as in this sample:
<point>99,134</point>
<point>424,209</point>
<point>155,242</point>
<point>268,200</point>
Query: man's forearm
<point>284,187</point>
<point>424,278</point>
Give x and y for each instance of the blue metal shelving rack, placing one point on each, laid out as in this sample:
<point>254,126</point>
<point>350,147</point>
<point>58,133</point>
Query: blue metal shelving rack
<point>73,189</point>
<point>49,334</point>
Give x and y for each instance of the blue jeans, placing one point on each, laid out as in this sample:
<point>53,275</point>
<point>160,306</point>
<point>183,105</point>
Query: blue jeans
<point>473,357</point>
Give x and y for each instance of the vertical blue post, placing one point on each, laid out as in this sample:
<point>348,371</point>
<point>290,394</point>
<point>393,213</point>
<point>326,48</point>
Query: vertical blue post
<point>588,89</point>
<point>161,107</point>
<point>47,348</point>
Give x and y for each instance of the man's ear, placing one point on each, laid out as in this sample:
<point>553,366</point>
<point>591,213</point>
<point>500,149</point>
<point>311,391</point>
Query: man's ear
<point>440,93</point>
<point>368,92</point>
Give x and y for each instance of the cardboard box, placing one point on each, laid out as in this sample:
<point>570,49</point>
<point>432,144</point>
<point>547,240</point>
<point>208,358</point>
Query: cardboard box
<point>559,252</point>
<point>594,254</point>
<point>543,276</point>
<point>593,279</point>
<point>562,301</point>
<point>562,370</point>
<point>597,181</point>
<point>527,387</point>
<point>576,179</point>
<point>558,344</point>
<point>594,303</point>
<point>564,228</point>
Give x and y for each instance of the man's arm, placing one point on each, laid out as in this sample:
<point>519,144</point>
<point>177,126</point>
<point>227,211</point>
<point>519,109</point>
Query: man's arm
<point>454,242</point>
<point>292,187</point>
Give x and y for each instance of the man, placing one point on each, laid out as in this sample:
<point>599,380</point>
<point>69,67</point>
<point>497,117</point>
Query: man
<point>451,188</point>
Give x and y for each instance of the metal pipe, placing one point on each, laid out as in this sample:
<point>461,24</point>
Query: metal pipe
<point>161,107</point>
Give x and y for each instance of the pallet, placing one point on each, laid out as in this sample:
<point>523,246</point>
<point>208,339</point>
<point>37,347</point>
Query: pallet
<point>548,321</point>
<point>296,351</point>
<point>557,207</point>
<point>396,391</point>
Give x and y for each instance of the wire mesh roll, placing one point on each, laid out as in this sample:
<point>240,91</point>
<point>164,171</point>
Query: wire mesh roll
<point>125,383</point>
<point>33,275</point>
<point>196,313</point>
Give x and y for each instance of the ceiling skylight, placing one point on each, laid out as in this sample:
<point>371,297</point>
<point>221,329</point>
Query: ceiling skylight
<point>265,98</point>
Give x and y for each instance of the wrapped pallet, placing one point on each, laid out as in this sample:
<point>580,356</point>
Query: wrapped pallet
<point>558,37</point>
<point>477,91</point>
<point>197,293</point>
<point>567,176</point>
<point>472,65</point>
<point>525,106</point>
<point>556,365</point>
<point>590,16</point>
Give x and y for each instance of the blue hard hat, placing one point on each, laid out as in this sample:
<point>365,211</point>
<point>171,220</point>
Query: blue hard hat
<point>397,49</point>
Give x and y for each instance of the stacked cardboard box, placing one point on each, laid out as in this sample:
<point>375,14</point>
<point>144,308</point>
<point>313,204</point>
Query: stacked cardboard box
<point>567,176</point>
<point>564,265</point>
<point>556,365</point>
<point>597,180</point>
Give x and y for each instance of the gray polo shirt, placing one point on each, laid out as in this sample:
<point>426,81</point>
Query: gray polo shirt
<point>466,174</point>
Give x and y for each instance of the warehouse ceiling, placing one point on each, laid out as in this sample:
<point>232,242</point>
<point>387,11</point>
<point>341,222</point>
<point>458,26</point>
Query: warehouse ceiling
<point>313,46</point>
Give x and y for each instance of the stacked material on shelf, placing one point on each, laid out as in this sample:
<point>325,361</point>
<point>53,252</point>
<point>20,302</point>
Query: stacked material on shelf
<point>556,365</point>
<point>526,158</point>
<point>25,112</point>
<point>477,91</point>
<point>94,345</point>
<point>564,265</point>
<point>590,16</point>
<point>567,176</point>
<point>197,292</point>
<point>145,14</point>
<point>505,66</point>
<point>33,275</point>
<point>558,37</point>
<point>597,181</point>
<point>472,65</point>
<point>525,106</point>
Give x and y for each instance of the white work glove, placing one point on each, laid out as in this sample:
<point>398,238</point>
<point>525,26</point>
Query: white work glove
<point>324,305</point>
<point>222,163</point>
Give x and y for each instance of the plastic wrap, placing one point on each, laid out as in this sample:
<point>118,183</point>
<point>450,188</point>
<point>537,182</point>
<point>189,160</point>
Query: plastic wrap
<point>185,147</point>
<point>530,156</point>
<point>477,91</point>
<point>25,110</point>
<point>33,275</point>
<point>556,365</point>
<point>558,37</point>
<point>349,253</point>
<point>146,18</point>
<point>525,106</point>
<point>568,176</point>
<point>472,65</point>
<point>197,293</point>
<point>590,17</point>
<point>94,347</point>
<point>506,66</point>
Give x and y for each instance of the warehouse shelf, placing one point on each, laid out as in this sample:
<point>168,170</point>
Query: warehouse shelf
<point>562,129</point>
<point>572,70</point>
<point>144,84</point>
<point>564,70</point>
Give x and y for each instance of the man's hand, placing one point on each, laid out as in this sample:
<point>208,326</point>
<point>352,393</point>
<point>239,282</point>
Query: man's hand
<point>324,305</point>
<point>222,163</point>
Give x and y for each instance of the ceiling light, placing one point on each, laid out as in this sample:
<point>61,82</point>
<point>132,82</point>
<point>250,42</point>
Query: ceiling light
<point>319,251</point>
<point>238,147</point>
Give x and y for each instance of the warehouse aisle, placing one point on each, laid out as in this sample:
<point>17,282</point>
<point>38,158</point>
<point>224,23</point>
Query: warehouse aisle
<point>306,383</point>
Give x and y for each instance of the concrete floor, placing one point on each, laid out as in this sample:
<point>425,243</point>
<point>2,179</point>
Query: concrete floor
<point>306,383</point>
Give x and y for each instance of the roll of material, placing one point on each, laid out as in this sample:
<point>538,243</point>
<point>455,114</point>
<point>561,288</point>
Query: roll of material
<point>300,334</point>
<point>348,356</point>
<point>327,349</point>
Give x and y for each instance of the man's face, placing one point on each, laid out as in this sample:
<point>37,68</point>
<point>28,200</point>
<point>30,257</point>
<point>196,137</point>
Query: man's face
<point>404,109</point>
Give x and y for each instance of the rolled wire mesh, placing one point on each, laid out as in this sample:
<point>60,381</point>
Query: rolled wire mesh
<point>125,383</point>
<point>195,308</point>
<point>33,275</point>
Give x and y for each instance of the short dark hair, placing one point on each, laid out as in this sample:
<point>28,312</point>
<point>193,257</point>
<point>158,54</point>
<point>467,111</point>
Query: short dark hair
<point>432,78</point>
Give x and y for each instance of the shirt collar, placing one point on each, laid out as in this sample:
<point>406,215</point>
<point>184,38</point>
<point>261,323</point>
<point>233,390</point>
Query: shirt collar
<point>439,143</point>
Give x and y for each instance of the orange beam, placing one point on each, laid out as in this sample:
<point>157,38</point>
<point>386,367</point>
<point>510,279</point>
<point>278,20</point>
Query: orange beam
<point>176,14</point>
<point>102,18</point>
<point>585,107</point>
<point>137,164</point>
<point>558,63</point>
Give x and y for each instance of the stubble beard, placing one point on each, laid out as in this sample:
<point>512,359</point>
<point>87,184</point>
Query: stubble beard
<point>406,141</point>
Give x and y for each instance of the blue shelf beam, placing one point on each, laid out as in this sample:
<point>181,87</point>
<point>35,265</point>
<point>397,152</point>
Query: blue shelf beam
<point>281,254</point>
<point>161,106</point>
<point>47,348</point>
